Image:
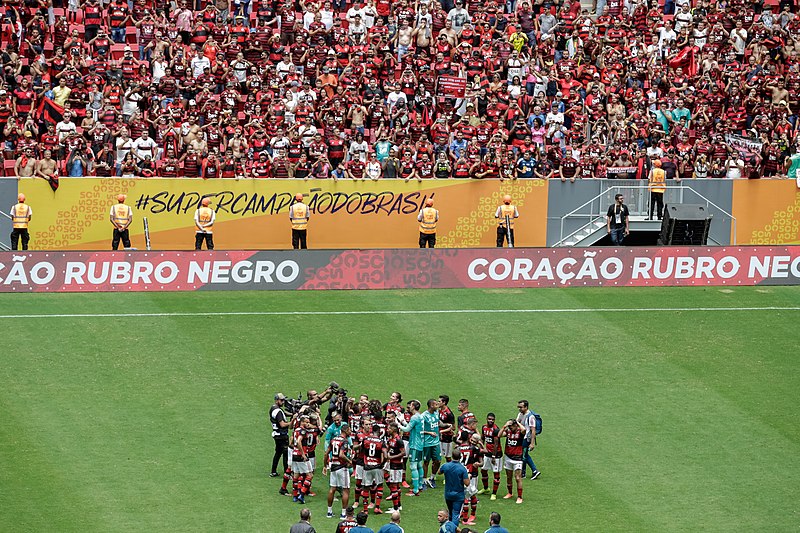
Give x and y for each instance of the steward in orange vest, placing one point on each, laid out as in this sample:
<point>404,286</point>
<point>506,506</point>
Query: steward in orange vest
<point>506,211</point>
<point>20,217</point>
<point>658,186</point>
<point>299,213</point>
<point>121,217</point>
<point>428,217</point>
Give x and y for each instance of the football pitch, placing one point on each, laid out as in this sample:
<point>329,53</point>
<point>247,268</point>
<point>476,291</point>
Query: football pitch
<point>664,409</point>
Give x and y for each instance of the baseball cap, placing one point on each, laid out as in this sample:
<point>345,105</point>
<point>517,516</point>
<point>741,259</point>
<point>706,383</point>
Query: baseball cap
<point>280,396</point>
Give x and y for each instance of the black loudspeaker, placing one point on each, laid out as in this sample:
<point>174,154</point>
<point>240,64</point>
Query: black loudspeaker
<point>685,224</point>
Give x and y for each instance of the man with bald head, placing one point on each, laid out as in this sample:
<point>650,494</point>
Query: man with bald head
<point>204,218</point>
<point>505,215</point>
<point>393,526</point>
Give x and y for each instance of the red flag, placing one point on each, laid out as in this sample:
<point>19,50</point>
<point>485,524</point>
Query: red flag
<point>686,60</point>
<point>50,111</point>
<point>53,180</point>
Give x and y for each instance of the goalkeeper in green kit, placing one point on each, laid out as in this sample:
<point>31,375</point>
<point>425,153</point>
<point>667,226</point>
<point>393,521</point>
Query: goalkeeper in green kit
<point>414,430</point>
<point>431,447</point>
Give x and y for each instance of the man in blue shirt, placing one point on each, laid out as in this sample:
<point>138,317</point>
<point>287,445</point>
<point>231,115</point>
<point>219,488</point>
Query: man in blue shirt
<point>494,524</point>
<point>361,520</point>
<point>458,146</point>
<point>525,165</point>
<point>445,525</point>
<point>392,527</point>
<point>456,478</point>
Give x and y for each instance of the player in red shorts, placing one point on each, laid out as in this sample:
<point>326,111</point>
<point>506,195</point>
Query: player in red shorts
<point>396,454</point>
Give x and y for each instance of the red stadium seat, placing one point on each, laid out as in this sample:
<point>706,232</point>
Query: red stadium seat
<point>130,36</point>
<point>8,167</point>
<point>80,27</point>
<point>117,51</point>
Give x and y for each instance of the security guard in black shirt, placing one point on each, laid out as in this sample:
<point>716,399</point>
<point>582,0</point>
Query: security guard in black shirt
<point>280,434</point>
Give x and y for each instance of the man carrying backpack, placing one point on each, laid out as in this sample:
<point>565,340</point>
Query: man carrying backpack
<point>527,419</point>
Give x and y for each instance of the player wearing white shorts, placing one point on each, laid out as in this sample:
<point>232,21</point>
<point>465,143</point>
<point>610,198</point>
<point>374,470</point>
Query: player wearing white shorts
<point>374,453</point>
<point>338,458</point>
<point>447,423</point>
<point>470,454</point>
<point>492,456</point>
<point>302,472</point>
<point>512,462</point>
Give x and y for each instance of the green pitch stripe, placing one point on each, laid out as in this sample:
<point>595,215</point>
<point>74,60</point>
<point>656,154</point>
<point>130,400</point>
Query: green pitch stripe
<point>407,312</point>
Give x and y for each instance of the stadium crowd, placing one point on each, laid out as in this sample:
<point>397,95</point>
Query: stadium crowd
<point>372,444</point>
<point>411,89</point>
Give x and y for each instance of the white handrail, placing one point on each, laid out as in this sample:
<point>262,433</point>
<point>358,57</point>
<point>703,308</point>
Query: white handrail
<point>593,217</point>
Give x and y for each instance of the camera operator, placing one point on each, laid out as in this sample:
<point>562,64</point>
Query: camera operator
<point>280,433</point>
<point>315,399</point>
<point>340,404</point>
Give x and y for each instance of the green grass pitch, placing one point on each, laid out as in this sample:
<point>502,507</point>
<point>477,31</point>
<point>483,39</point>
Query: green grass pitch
<point>653,420</point>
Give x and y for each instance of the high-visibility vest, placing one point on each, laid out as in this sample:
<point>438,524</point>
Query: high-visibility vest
<point>298,214</point>
<point>204,216</point>
<point>22,213</point>
<point>428,222</point>
<point>507,211</point>
<point>121,213</point>
<point>658,180</point>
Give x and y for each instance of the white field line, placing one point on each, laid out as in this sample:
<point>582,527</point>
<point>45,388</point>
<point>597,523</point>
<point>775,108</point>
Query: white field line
<point>407,312</point>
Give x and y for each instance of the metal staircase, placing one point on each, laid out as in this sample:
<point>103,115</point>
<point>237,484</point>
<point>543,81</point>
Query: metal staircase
<point>3,246</point>
<point>591,215</point>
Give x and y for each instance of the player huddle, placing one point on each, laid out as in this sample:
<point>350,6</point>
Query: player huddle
<point>368,446</point>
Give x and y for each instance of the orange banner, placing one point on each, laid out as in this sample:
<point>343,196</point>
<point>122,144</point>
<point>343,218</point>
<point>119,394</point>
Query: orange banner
<point>253,214</point>
<point>766,211</point>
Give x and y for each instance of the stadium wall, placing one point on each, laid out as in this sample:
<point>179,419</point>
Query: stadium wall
<point>398,268</point>
<point>346,215</point>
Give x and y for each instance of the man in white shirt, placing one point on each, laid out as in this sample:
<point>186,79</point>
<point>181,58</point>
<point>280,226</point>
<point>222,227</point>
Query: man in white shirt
<point>144,146</point>
<point>65,128</point>
<point>459,16</point>
<point>357,9</point>
<point>199,63</point>
<point>739,38</point>
<point>667,36</point>
<point>734,167</point>
<point>395,96</point>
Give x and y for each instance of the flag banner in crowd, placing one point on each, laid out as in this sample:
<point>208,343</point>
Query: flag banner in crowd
<point>393,269</point>
<point>749,149</point>
<point>615,171</point>
<point>452,86</point>
<point>49,111</point>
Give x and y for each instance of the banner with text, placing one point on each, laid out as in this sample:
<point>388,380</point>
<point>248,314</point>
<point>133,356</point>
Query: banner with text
<point>391,269</point>
<point>452,86</point>
<point>253,214</point>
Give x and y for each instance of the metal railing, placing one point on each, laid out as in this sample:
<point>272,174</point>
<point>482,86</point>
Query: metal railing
<point>4,246</point>
<point>639,206</point>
